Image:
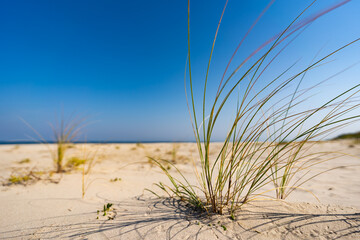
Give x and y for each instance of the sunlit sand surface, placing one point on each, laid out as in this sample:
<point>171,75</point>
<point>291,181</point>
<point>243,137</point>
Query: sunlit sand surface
<point>51,205</point>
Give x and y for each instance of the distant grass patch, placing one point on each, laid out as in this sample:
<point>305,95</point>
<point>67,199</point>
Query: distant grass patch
<point>18,179</point>
<point>29,177</point>
<point>139,144</point>
<point>355,136</point>
<point>75,162</point>
<point>71,146</point>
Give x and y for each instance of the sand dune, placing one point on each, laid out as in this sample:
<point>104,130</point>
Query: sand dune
<point>44,209</point>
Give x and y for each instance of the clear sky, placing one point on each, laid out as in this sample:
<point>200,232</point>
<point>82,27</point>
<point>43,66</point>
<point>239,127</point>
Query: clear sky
<point>122,62</point>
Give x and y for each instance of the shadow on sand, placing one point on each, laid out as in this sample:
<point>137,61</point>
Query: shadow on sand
<point>171,219</point>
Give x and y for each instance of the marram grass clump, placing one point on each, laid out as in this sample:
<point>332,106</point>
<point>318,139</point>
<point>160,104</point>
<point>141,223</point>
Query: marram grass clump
<point>65,133</point>
<point>270,134</point>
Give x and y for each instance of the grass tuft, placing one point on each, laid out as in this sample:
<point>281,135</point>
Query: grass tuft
<point>65,133</point>
<point>75,162</point>
<point>29,177</point>
<point>107,211</point>
<point>270,134</point>
<point>18,179</point>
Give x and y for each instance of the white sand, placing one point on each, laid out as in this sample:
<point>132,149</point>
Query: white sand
<point>44,210</point>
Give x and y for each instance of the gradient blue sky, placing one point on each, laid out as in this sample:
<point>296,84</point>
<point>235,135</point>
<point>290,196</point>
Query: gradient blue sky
<point>122,62</point>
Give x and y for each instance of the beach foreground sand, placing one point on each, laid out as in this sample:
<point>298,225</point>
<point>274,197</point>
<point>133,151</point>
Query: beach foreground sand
<point>51,206</point>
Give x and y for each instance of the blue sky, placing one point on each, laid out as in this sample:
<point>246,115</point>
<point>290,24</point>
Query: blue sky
<point>122,62</point>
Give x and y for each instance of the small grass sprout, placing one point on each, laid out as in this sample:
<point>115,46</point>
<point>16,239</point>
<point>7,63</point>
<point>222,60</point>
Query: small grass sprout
<point>107,207</point>
<point>107,211</point>
<point>271,130</point>
<point>115,179</point>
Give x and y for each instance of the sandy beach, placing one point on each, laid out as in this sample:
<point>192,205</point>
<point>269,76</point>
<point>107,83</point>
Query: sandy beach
<point>188,120</point>
<point>47,206</point>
